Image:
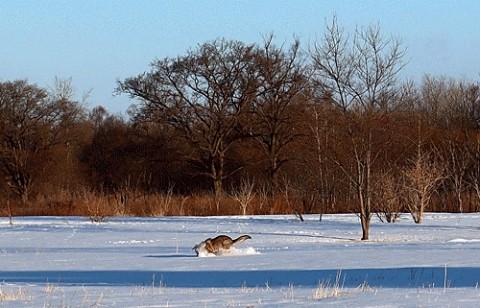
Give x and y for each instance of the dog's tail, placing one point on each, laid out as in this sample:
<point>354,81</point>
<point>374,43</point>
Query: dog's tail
<point>241,239</point>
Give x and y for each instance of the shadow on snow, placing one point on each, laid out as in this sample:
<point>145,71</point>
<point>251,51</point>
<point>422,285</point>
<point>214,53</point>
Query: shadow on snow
<point>409,277</point>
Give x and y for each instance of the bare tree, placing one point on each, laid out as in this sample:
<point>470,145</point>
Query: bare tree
<point>292,197</point>
<point>422,175</point>
<point>388,199</point>
<point>33,124</point>
<point>263,194</point>
<point>244,194</point>
<point>457,165</point>
<point>359,74</point>
<point>283,82</point>
<point>473,174</point>
<point>299,194</point>
<point>21,119</point>
<point>204,96</point>
<point>318,163</point>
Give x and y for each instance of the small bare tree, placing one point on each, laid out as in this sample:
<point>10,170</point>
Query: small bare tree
<point>97,210</point>
<point>7,209</point>
<point>159,204</point>
<point>388,199</point>
<point>300,198</point>
<point>458,163</point>
<point>473,179</point>
<point>244,194</point>
<point>263,194</point>
<point>291,197</point>
<point>422,176</point>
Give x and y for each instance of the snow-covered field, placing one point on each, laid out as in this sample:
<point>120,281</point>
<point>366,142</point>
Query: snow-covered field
<point>149,262</point>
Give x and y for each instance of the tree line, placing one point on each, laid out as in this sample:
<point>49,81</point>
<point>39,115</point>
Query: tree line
<point>263,128</point>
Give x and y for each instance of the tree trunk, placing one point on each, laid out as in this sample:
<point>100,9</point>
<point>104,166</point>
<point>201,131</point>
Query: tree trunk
<point>460,201</point>
<point>217,177</point>
<point>364,214</point>
<point>423,205</point>
<point>365,219</point>
<point>217,192</point>
<point>365,227</point>
<point>419,218</point>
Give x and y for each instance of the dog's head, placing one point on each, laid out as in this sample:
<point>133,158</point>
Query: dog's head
<point>202,249</point>
<point>199,248</point>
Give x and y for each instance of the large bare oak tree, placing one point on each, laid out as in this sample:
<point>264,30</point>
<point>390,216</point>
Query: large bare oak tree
<point>204,96</point>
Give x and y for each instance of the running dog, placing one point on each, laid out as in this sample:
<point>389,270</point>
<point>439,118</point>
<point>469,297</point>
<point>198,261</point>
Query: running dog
<point>218,245</point>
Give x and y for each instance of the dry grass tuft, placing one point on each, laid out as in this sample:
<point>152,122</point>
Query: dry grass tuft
<point>14,295</point>
<point>328,290</point>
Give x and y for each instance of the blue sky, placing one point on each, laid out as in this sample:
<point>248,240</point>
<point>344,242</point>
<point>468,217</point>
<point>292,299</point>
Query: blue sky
<point>98,42</point>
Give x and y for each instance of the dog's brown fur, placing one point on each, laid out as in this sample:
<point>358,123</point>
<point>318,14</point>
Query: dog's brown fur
<point>220,243</point>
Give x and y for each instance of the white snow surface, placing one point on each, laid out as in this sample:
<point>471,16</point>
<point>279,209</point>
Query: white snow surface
<point>149,262</point>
